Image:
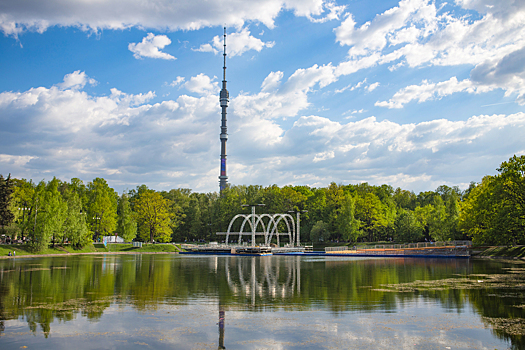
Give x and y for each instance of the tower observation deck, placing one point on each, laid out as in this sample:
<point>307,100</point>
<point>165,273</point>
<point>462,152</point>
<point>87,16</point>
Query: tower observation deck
<point>224,99</point>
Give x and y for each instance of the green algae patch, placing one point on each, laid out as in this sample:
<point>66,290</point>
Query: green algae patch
<point>73,305</point>
<point>496,281</point>
<point>512,326</point>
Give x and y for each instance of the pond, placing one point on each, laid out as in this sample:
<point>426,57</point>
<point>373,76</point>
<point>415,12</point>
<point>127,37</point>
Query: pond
<point>271,302</point>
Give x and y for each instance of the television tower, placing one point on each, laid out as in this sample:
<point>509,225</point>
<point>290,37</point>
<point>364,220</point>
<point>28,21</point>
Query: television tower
<point>224,98</point>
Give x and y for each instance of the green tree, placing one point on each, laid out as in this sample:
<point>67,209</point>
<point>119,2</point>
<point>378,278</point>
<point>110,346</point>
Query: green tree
<point>371,213</point>
<point>437,227</point>
<point>479,212</point>
<point>47,215</point>
<point>405,199</point>
<point>494,213</point>
<point>319,232</point>
<point>102,208</point>
<point>152,211</point>
<point>407,228</point>
<point>54,213</point>
<point>333,210</point>
<point>512,177</point>
<point>75,224</point>
<point>423,216</point>
<point>347,224</point>
<point>126,225</point>
<point>22,198</point>
<point>6,190</point>
<point>179,200</point>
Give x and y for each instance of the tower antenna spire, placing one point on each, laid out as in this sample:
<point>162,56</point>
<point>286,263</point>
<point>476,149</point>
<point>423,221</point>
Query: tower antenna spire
<point>224,99</point>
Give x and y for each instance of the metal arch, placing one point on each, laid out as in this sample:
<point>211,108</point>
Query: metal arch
<point>269,230</point>
<point>231,223</point>
<point>275,229</point>
<point>292,236</point>
<point>265,230</point>
<point>260,220</point>
<point>246,219</point>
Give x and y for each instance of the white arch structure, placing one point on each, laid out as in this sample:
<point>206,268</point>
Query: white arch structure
<point>269,228</point>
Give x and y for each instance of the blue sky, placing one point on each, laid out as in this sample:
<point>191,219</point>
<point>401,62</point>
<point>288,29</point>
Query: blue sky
<point>411,93</point>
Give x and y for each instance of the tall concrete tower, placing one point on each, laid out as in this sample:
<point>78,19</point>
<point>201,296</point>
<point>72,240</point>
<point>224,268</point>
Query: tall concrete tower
<point>224,99</point>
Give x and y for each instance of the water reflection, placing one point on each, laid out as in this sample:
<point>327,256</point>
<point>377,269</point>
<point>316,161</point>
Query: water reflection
<point>48,293</point>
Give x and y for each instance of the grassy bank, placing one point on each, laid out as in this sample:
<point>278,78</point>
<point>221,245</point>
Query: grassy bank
<point>499,252</point>
<point>22,249</point>
<point>146,248</point>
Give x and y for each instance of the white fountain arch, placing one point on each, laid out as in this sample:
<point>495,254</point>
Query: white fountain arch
<point>269,228</point>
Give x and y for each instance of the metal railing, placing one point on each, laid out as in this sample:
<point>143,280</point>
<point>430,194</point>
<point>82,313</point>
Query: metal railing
<point>450,248</point>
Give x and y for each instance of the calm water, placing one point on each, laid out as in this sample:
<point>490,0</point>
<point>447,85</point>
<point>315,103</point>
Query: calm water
<point>273,302</point>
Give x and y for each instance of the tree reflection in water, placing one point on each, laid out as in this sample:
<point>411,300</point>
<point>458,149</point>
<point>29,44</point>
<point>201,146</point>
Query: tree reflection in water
<point>41,291</point>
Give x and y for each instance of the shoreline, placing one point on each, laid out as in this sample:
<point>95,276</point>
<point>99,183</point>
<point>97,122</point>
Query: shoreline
<point>478,253</point>
<point>90,253</point>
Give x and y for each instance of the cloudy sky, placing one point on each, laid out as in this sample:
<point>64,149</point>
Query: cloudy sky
<point>411,93</point>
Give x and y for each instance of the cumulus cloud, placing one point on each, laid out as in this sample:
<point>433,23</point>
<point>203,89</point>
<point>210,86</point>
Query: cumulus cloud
<point>272,81</point>
<point>507,73</point>
<point>374,35</point>
<point>416,33</point>
<point>37,15</point>
<point>122,137</point>
<point>237,44</point>
<point>68,133</point>
<point>202,84</point>
<point>76,80</point>
<point>432,91</point>
<point>291,96</point>
<point>149,47</point>
<point>334,13</point>
<point>417,156</point>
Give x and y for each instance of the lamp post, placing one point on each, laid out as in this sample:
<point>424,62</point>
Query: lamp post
<point>298,212</point>
<point>253,218</point>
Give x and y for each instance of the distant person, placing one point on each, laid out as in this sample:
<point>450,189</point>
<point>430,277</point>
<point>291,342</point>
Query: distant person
<point>9,254</point>
<point>14,253</point>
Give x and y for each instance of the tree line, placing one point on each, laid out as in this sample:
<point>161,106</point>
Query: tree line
<point>55,212</point>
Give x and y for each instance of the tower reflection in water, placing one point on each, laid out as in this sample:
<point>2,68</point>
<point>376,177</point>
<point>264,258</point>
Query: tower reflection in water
<point>257,281</point>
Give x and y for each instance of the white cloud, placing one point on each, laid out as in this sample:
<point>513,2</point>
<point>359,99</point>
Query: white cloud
<point>202,84</point>
<point>15,160</point>
<point>272,81</point>
<point>373,36</point>
<point>76,80</point>
<point>431,91</point>
<point>289,99</point>
<point>68,133</point>
<point>236,44</point>
<point>149,47</point>
<point>351,87</point>
<point>507,73</point>
<point>415,34</point>
<point>39,15</point>
<point>179,80</point>
<point>334,13</point>
<point>372,87</point>
<point>206,48</point>
<point>419,156</point>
